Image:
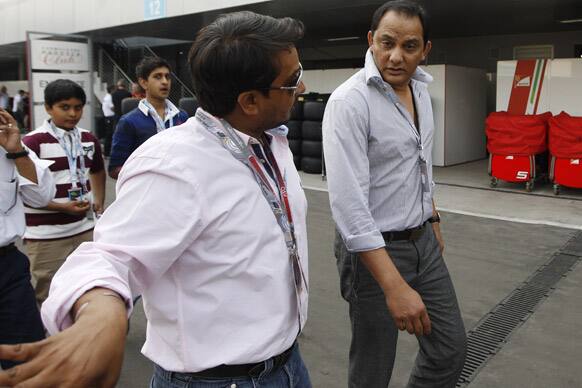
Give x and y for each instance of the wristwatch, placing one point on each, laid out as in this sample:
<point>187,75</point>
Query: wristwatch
<point>435,218</point>
<point>16,155</point>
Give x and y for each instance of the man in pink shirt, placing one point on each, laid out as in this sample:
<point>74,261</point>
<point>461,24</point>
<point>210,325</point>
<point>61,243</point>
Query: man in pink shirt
<point>208,226</point>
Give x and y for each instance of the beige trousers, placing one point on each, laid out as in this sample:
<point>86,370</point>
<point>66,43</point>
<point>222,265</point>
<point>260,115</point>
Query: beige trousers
<point>47,256</point>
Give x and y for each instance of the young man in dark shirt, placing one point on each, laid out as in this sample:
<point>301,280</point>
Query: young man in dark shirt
<point>153,114</point>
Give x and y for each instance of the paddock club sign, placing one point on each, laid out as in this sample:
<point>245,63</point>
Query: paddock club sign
<point>59,55</point>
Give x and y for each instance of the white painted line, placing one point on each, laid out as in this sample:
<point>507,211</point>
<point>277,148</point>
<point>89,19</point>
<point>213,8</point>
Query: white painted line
<point>483,215</point>
<point>512,219</point>
<point>315,188</point>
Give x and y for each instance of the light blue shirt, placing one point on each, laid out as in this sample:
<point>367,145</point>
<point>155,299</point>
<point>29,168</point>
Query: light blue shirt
<point>373,156</point>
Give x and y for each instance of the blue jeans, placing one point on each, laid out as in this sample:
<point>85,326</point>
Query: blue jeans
<point>293,374</point>
<point>19,316</point>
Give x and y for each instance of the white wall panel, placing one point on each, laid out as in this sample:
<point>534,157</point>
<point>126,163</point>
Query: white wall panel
<point>505,73</point>
<point>64,14</point>
<point>11,31</point>
<point>176,8</point>
<point>131,11</point>
<point>74,16</point>
<point>325,81</point>
<point>26,17</point>
<point>205,5</point>
<point>43,15</point>
<point>565,86</point>
<point>436,90</point>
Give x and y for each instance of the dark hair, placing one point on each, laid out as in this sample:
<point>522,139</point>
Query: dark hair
<point>110,88</point>
<point>148,64</point>
<point>63,89</point>
<point>405,7</point>
<point>237,53</point>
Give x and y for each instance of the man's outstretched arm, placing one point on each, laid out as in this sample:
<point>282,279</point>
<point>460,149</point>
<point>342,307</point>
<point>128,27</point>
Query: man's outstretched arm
<point>89,353</point>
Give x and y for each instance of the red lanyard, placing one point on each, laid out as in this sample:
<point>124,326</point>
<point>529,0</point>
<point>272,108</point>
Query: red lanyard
<point>280,180</point>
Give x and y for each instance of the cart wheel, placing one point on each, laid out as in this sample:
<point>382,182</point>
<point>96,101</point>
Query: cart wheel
<point>529,185</point>
<point>556,189</point>
<point>493,182</point>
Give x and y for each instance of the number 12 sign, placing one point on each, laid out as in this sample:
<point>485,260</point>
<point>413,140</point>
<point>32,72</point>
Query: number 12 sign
<point>154,9</point>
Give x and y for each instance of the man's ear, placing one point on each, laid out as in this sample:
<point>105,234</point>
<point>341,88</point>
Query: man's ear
<point>143,83</point>
<point>426,50</point>
<point>48,108</point>
<point>370,39</point>
<point>248,103</point>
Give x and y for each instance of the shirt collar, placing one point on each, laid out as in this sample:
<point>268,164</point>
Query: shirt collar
<point>373,74</point>
<point>60,132</point>
<point>248,140</point>
<point>171,109</point>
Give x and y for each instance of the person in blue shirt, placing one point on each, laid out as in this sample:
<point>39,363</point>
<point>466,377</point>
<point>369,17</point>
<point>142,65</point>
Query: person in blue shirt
<point>153,114</point>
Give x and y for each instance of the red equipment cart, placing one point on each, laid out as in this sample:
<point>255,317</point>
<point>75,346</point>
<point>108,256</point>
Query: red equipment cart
<point>513,142</point>
<point>565,134</point>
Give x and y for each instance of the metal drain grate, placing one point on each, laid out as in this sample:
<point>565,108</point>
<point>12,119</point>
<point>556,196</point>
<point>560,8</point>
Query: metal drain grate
<point>495,328</point>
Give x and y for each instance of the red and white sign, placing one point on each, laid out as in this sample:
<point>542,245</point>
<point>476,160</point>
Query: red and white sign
<point>534,86</point>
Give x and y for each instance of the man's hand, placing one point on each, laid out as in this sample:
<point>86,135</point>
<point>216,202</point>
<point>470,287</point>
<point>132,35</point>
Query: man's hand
<point>405,305</point>
<point>408,310</point>
<point>88,354</point>
<point>98,208</point>
<point>75,208</point>
<point>9,133</point>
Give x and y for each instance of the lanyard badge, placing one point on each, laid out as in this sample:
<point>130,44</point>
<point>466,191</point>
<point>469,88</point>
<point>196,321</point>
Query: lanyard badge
<point>74,152</point>
<point>279,204</point>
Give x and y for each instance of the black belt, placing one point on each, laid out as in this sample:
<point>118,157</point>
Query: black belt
<point>412,234</point>
<point>6,249</point>
<point>243,370</point>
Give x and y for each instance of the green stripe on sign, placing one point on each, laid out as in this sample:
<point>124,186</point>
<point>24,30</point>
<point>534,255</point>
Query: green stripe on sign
<point>536,79</point>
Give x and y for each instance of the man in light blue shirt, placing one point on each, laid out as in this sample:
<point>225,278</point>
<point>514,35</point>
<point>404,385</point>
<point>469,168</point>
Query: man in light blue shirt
<point>378,134</point>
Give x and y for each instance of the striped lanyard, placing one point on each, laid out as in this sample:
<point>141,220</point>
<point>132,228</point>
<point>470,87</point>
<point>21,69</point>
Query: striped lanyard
<point>160,123</point>
<point>74,151</point>
<point>279,202</point>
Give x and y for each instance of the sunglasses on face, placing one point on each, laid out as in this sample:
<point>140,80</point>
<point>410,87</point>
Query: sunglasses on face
<point>295,83</point>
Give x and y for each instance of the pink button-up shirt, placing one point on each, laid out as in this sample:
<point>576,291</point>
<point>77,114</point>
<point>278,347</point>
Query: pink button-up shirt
<point>191,231</point>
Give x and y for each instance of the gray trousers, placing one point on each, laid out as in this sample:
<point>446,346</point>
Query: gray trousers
<point>374,334</point>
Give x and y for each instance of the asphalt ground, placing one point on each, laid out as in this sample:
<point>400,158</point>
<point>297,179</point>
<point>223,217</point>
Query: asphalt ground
<point>487,259</point>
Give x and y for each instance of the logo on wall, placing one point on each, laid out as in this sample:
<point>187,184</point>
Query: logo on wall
<point>59,55</point>
<point>523,82</point>
<point>527,86</point>
<point>55,56</point>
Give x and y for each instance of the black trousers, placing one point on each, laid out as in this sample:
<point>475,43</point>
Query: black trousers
<point>19,316</point>
<point>109,128</point>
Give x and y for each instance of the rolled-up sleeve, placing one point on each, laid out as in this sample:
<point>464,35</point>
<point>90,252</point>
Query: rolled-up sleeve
<point>345,142</point>
<point>136,240</point>
<point>41,193</point>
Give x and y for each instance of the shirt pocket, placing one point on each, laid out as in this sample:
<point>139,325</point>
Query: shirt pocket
<point>8,195</point>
